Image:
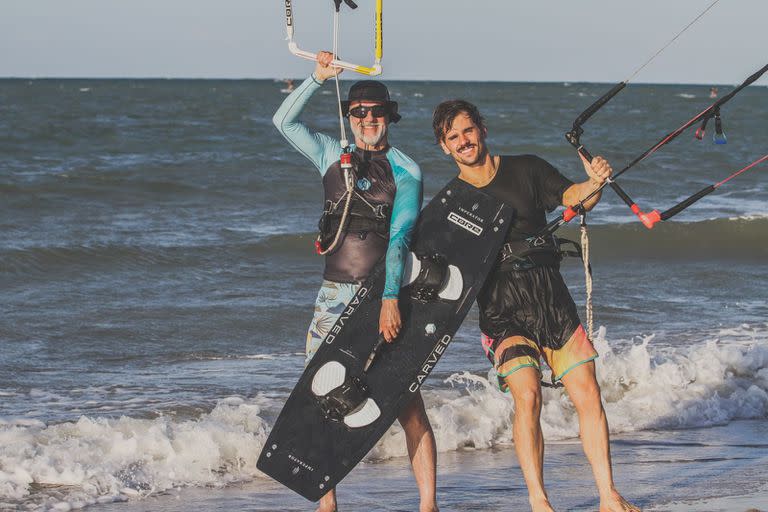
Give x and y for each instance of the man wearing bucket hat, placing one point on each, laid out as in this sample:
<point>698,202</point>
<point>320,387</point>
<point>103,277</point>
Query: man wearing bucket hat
<point>373,194</point>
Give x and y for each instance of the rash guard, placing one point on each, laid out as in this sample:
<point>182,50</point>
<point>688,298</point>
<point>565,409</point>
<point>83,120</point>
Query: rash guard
<point>391,177</point>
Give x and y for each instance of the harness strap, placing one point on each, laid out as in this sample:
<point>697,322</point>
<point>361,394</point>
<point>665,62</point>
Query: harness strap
<point>525,253</point>
<point>379,211</point>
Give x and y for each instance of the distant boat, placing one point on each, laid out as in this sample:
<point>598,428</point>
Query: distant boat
<point>289,87</point>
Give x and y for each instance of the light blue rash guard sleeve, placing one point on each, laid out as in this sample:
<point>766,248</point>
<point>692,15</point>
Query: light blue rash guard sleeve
<point>319,148</point>
<point>405,212</point>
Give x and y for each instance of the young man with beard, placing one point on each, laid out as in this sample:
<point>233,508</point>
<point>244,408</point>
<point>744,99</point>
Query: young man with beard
<point>526,311</point>
<point>369,213</point>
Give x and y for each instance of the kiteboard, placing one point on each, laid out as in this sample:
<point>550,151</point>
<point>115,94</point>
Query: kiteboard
<point>355,385</point>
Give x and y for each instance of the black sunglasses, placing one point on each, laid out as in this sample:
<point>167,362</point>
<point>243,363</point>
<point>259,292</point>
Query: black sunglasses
<point>362,112</point>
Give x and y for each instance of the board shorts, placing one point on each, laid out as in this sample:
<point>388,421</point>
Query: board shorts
<point>332,300</point>
<point>535,308</point>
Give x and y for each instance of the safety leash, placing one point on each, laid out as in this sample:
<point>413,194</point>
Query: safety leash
<point>346,155</point>
<point>587,275</point>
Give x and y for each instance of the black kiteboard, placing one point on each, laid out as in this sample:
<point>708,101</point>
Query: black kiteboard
<point>355,386</point>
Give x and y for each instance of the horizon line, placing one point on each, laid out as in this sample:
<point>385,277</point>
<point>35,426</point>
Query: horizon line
<point>439,80</point>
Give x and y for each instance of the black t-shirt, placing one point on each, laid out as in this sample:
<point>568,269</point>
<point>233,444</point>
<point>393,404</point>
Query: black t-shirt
<point>531,186</point>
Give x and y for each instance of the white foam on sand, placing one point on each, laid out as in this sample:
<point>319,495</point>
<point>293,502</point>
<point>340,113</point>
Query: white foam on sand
<point>70,465</point>
<point>721,379</point>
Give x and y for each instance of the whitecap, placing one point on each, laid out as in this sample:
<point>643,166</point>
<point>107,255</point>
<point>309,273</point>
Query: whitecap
<point>102,459</point>
<point>721,379</point>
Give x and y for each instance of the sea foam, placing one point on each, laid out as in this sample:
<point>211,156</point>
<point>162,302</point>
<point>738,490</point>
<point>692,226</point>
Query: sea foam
<point>721,379</point>
<point>646,385</point>
<point>100,459</point>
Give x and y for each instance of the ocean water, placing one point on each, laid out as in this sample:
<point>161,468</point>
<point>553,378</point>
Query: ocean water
<point>157,276</point>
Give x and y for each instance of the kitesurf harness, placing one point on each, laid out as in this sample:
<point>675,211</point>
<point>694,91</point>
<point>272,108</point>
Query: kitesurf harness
<point>547,249</point>
<point>356,215</point>
<point>535,251</point>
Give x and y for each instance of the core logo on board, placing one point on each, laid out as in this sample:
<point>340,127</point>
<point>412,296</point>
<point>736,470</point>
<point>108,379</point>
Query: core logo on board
<point>465,223</point>
<point>430,363</point>
<point>351,307</point>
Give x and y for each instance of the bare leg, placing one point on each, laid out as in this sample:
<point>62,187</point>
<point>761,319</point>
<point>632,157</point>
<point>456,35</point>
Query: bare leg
<point>422,450</point>
<point>525,386</point>
<point>584,392</point>
<point>328,502</point>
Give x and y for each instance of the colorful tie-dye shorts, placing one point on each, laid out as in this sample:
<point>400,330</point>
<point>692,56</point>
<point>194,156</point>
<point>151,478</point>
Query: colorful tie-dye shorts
<point>510,354</point>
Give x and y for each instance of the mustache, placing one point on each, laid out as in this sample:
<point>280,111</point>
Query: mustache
<point>368,125</point>
<point>466,146</point>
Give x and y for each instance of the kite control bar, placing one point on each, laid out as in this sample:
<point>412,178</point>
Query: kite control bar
<point>373,70</point>
<point>651,218</point>
<point>654,216</point>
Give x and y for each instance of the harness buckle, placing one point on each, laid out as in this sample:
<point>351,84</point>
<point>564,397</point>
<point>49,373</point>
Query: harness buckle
<point>537,241</point>
<point>381,211</point>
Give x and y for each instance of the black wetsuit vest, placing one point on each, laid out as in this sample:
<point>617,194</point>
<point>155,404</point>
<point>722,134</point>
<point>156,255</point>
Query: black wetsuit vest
<point>364,240</point>
<point>531,187</point>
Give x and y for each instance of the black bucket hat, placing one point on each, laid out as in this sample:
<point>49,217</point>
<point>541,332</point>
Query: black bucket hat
<point>371,90</point>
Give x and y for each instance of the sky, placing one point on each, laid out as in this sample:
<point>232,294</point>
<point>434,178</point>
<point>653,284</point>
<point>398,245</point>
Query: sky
<point>483,40</point>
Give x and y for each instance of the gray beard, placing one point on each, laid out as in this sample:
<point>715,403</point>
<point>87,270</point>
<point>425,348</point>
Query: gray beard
<point>370,141</point>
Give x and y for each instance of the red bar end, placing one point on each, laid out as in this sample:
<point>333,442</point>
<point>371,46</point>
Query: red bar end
<point>569,214</point>
<point>649,219</point>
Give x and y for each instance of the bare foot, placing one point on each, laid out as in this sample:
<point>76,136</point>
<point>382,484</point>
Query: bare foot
<point>428,508</point>
<point>616,503</point>
<point>540,505</point>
